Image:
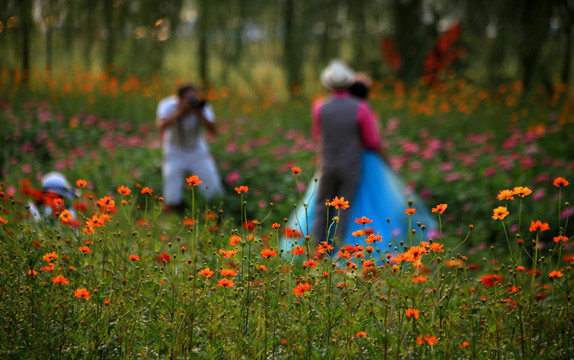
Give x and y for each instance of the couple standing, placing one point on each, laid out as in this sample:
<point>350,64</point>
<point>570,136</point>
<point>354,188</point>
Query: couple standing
<point>354,165</point>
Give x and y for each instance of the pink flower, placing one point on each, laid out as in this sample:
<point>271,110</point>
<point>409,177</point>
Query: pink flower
<point>542,178</point>
<point>415,165</point>
<point>233,177</point>
<point>446,166</point>
<point>452,177</point>
<point>539,194</point>
<point>411,147</point>
<point>489,172</point>
<point>567,212</point>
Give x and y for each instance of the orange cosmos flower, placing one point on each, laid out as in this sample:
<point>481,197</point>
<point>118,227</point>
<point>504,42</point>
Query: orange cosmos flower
<point>363,220</point>
<point>339,203</point>
<point>301,289</point>
<point>49,257</point>
<point>298,250</point>
<point>84,249</point>
<point>207,273</point>
<point>514,289</point>
<point>324,247</point>
<point>49,267</point>
<point>81,183</point>
<point>555,274</point>
<point>436,247</point>
<point>291,233</point>
<point>560,238</point>
<point>32,272</point>
<point>538,226</point>
<point>234,239</point>
<point>296,170</point>
<point>440,208</point>
<point>368,263</point>
<point>520,268</point>
<point>134,257</point>
<point>193,180</point>
<point>500,213</point>
<point>82,293</point>
<point>560,182</point>
<point>106,204</point>
<point>361,334</point>
<point>242,189</point>
<point>226,283</point>
<point>310,263</point>
<point>344,254</point>
<point>60,280</point>
<point>261,267</point>
<point>420,278</point>
<point>358,233</point>
<point>147,190</point>
<point>522,191</point>
<point>431,340</point>
<point>276,226</point>
<point>3,221</point>
<point>88,230</point>
<point>412,313</point>
<point>505,195</point>
<point>491,280</point>
<point>124,190</point>
<point>267,253</point>
<point>163,258</point>
<point>227,253</point>
<point>103,218</point>
<point>464,345</point>
<point>188,221</point>
<point>410,211</point>
<point>228,272</point>
<point>65,217</point>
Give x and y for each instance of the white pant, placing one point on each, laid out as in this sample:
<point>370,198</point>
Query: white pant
<point>177,165</point>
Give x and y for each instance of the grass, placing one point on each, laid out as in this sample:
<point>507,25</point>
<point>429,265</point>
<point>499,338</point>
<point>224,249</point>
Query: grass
<point>484,289</point>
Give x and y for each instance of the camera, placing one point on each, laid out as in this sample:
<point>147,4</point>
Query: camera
<point>196,103</point>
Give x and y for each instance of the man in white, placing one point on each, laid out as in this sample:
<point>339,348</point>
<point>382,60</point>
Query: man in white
<point>181,119</point>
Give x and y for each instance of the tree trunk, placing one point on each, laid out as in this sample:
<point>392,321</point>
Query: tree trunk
<point>358,12</point>
<point>535,24</point>
<point>567,62</point>
<point>26,16</point>
<point>202,44</point>
<point>108,23</point>
<point>408,35</point>
<point>292,48</point>
<point>48,48</point>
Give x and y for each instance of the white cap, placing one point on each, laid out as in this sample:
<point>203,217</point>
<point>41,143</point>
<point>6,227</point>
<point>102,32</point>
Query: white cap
<point>337,75</point>
<point>57,183</point>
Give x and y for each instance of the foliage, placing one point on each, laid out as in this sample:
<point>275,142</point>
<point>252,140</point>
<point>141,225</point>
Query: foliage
<point>128,281</point>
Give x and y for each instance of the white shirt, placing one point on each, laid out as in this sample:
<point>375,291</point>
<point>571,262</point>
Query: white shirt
<point>187,136</point>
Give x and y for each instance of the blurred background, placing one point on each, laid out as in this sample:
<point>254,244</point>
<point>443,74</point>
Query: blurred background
<point>473,96</point>
<point>286,42</point>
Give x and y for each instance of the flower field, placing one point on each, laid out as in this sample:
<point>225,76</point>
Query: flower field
<point>125,280</point>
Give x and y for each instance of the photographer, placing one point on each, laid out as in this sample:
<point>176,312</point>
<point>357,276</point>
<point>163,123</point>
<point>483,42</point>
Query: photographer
<point>181,119</point>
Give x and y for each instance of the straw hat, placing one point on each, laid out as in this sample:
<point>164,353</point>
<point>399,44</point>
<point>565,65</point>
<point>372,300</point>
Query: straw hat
<point>57,183</point>
<point>337,75</point>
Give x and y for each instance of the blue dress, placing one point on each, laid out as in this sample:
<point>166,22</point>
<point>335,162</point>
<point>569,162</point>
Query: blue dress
<point>381,195</point>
